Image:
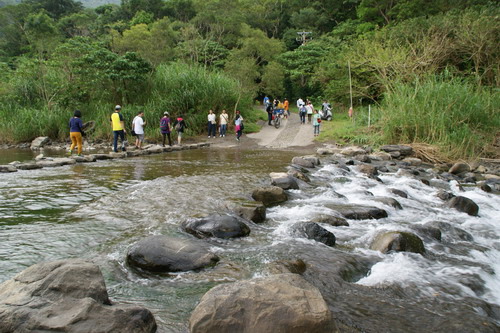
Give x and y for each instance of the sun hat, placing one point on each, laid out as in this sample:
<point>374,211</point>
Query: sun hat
<point>118,107</point>
<point>165,113</point>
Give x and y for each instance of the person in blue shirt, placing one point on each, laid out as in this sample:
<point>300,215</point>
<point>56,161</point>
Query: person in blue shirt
<point>75,132</point>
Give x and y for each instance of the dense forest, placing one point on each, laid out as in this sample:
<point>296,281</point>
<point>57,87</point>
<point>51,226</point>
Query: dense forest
<point>430,67</point>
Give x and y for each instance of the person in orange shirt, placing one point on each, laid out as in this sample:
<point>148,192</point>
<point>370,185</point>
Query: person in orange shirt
<point>286,106</point>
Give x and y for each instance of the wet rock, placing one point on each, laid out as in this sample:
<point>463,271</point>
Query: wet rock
<point>270,195</point>
<point>369,170</point>
<point>56,162</point>
<point>28,166</point>
<point>314,231</point>
<point>333,220</point>
<point>399,192</point>
<point>169,254</point>
<point>302,162</point>
<point>465,205</point>
<point>313,159</point>
<point>383,168</point>
<point>428,231</point>
<point>220,226</point>
<point>459,168</point>
<point>398,241</point>
<point>103,156</point>
<point>39,142</point>
<point>353,151</point>
<point>425,181</point>
<point>252,211</point>
<point>413,161</point>
<point>401,149</point>
<point>359,212</point>
<point>66,296</point>
<point>483,186</point>
<point>7,168</point>
<point>444,195</point>
<point>288,266</point>
<point>122,154</point>
<point>450,231</point>
<point>283,180</point>
<point>362,158</point>
<point>389,202</point>
<point>299,175</point>
<point>84,158</point>
<point>278,303</point>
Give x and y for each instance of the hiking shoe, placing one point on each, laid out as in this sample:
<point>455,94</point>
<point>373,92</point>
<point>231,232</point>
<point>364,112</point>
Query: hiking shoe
<point>124,149</point>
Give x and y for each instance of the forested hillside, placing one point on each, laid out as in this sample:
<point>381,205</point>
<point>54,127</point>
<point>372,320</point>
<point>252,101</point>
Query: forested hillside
<point>407,57</point>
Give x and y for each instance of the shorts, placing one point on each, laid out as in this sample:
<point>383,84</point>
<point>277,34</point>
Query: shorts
<point>140,137</point>
<point>179,134</point>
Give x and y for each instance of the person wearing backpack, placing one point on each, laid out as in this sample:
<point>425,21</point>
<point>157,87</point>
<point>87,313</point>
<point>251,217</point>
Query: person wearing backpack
<point>180,126</point>
<point>165,128</point>
<point>238,122</point>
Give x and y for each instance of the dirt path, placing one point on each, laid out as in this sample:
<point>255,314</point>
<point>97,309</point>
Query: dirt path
<point>290,134</point>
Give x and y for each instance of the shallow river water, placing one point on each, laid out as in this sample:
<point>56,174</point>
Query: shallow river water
<point>99,210</point>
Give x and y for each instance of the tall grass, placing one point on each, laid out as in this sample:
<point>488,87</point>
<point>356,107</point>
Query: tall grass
<point>460,118</point>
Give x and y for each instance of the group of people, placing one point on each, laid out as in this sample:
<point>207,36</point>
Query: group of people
<point>307,108</point>
<point>275,107</point>
<point>167,126</point>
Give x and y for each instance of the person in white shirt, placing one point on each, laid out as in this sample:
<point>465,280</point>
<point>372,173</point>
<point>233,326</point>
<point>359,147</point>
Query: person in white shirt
<point>224,118</point>
<point>310,109</point>
<point>212,124</point>
<point>138,127</point>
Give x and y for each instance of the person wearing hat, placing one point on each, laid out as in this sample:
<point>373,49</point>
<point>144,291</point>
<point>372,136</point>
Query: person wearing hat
<point>118,125</point>
<point>165,128</point>
<point>75,132</point>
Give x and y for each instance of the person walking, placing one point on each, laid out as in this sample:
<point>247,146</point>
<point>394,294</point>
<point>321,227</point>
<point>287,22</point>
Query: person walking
<point>286,106</point>
<point>238,122</point>
<point>223,121</point>
<point>75,132</point>
<point>165,128</point>
<point>266,101</point>
<point>212,124</point>
<point>309,108</point>
<point>180,126</point>
<point>138,127</point>
<point>316,120</point>
<point>118,126</point>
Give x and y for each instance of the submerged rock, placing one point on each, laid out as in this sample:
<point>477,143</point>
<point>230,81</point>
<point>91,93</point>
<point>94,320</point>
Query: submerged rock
<point>400,193</point>
<point>270,195</point>
<point>169,254</point>
<point>398,241</point>
<point>7,168</point>
<point>278,303</point>
<point>288,266</point>
<point>428,231</point>
<point>314,231</point>
<point>465,205</point>
<point>66,296</point>
<point>220,226</point>
<point>450,231</point>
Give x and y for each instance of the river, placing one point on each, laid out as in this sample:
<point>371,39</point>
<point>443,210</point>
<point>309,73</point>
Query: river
<point>99,210</point>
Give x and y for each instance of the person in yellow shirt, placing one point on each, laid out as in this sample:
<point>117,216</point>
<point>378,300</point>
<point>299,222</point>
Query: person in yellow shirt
<point>286,106</point>
<point>118,126</point>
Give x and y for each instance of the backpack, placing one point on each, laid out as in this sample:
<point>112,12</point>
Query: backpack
<point>164,125</point>
<point>178,126</point>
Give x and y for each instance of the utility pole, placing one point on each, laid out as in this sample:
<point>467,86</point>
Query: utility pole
<point>303,37</point>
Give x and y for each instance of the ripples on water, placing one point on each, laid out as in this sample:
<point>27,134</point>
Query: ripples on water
<point>98,210</point>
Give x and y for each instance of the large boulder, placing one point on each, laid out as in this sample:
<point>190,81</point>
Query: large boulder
<point>220,226</point>
<point>398,241</point>
<point>39,142</point>
<point>335,220</point>
<point>269,195</point>
<point>169,254</point>
<point>283,180</point>
<point>302,162</point>
<point>388,201</point>
<point>66,296</point>
<point>465,205</point>
<point>7,168</point>
<point>314,231</point>
<point>353,151</point>
<point>278,303</point>
<point>254,211</point>
<point>458,168</point>
<point>359,212</point>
